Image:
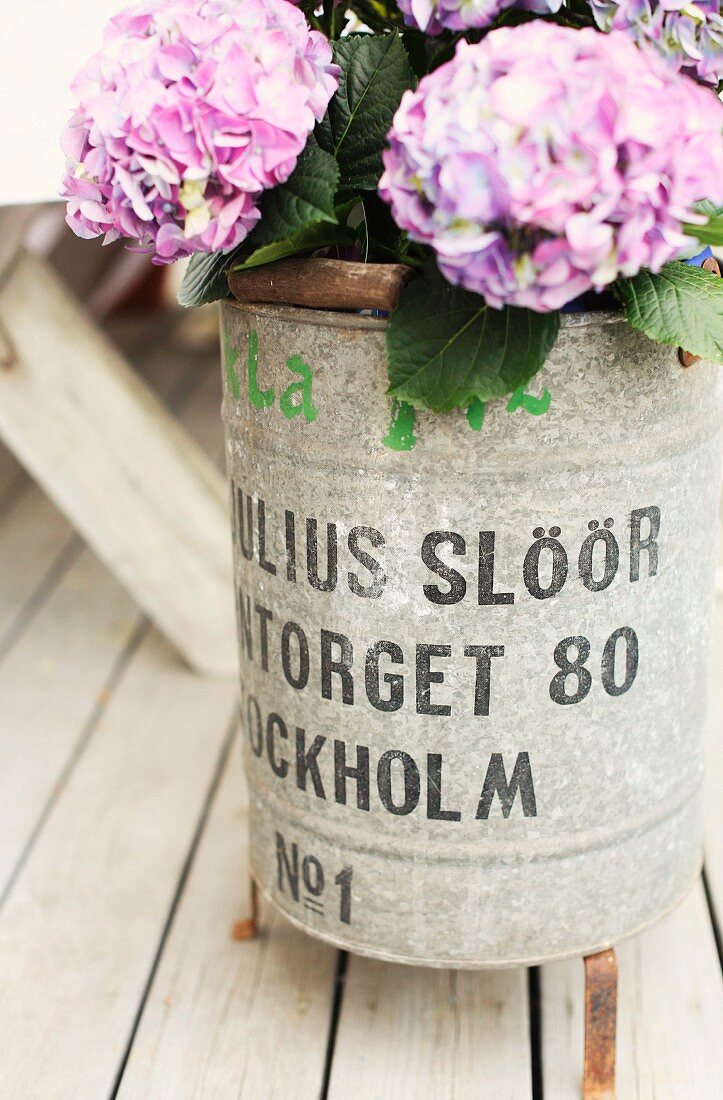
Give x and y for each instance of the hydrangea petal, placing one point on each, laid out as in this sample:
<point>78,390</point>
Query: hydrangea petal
<point>533,204</point>
<point>190,110</point>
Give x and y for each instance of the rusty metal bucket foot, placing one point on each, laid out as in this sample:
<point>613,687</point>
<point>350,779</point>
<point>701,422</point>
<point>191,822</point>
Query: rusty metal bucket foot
<point>601,1000</point>
<point>248,928</point>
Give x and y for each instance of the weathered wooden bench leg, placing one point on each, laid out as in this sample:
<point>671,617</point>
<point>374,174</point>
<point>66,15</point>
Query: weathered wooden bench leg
<point>116,462</point>
<point>248,928</point>
<point>601,1001</point>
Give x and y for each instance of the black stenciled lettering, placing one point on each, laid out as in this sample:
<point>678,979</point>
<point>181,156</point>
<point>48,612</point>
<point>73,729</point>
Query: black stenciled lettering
<point>483,655</point>
<point>495,783</point>
<point>312,556</point>
<point>289,867</point>
<point>313,875</point>
<point>298,679</point>
<point>410,782</point>
<point>244,523</point>
<point>576,668</point>
<point>343,881</point>
<point>275,726</point>
<point>434,791</point>
<point>599,538</point>
<point>307,763</point>
<point>359,773</point>
<point>265,617</point>
<point>426,677</point>
<point>457,583</point>
<point>337,667</point>
<point>558,564</point>
<point>486,595</point>
<point>648,542</point>
<point>254,729</point>
<point>290,545</point>
<point>244,622</point>
<point>268,566</point>
<point>374,590</point>
<point>394,680</point>
<point>632,653</point>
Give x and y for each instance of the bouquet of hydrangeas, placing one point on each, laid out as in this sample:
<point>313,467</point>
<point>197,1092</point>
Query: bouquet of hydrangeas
<point>521,157</point>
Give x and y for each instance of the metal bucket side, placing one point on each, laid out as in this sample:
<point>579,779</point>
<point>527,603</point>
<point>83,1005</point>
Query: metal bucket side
<point>474,662</point>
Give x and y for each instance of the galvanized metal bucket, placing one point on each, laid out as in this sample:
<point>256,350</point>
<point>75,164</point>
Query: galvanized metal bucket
<point>474,650</point>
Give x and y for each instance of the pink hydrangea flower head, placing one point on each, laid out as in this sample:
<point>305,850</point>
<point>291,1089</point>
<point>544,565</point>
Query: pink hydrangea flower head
<point>688,33</point>
<point>190,110</point>
<point>545,161</point>
<point>434,16</point>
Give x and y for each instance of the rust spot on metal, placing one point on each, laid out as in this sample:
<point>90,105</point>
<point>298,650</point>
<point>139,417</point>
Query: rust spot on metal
<point>248,928</point>
<point>601,999</point>
<point>687,359</point>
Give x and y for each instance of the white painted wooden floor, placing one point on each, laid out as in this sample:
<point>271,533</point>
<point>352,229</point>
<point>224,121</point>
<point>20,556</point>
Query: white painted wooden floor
<point>122,871</point>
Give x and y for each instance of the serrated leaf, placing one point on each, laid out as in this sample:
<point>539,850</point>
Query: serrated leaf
<point>375,72</point>
<point>681,305</point>
<point>204,280</point>
<point>446,348</point>
<point>305,200</point>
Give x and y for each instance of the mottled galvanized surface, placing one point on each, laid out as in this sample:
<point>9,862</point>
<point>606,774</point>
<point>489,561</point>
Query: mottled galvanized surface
<point>602,833</point>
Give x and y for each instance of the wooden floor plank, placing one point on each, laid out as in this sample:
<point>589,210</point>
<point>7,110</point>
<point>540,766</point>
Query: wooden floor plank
<point>56,678</point>
<point>52,684</point>
<point>413,1034</point>
<point>670,1019</point>
<point>80,929</point>
<point>226,1019</point>
<point>33,537</point>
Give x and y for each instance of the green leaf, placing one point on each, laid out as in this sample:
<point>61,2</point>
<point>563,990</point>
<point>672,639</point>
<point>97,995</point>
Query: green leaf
<point>318,236</point>
<point>306,200</point>
<point>205,278</point>
<point>447,349</point>
<point>682,305</point>
<point>709,233</point>
<point>709,208</point>
<point>375,72</point>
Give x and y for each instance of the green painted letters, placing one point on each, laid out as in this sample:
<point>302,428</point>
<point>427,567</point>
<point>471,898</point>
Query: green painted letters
<point>260,399</point>
<point>476,415</point>
<point>534,405</point>
<point>306,406</point>
<point>401,428</point>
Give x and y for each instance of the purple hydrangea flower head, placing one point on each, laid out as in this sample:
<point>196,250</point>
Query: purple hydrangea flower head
<point>688,33</point>
<point>544,161</point>
<point>190,110</point>
<point>434,16</point>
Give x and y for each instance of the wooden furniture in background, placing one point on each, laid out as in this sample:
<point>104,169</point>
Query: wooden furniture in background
<point>112,458</point>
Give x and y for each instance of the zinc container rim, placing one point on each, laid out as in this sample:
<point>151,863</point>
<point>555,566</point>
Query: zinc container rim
<point>327,318</point>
